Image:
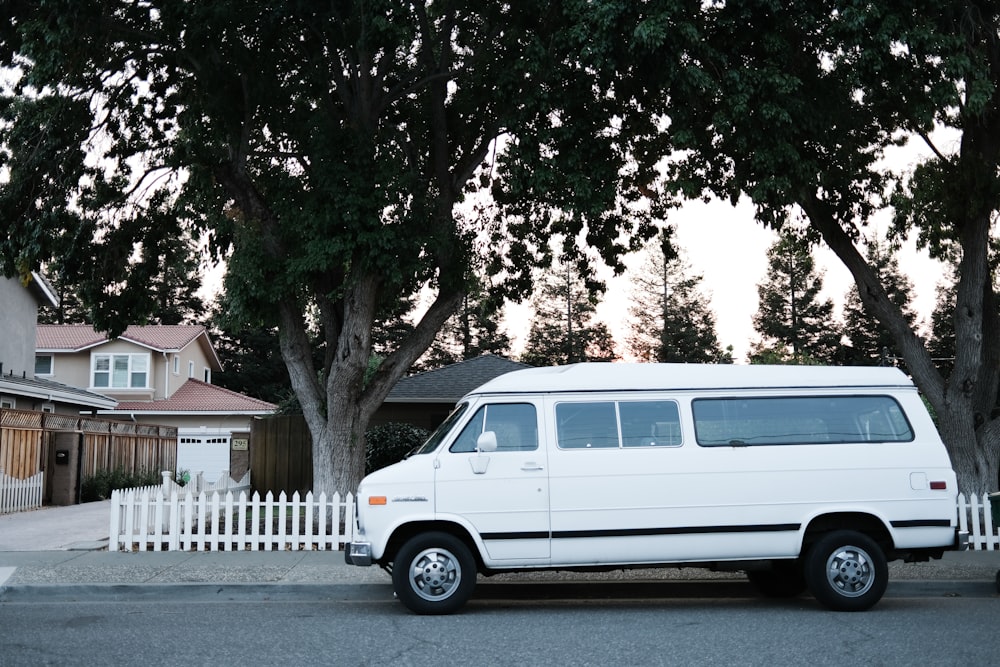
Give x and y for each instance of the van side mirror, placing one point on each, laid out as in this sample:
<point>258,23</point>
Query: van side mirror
<point>487,442</point>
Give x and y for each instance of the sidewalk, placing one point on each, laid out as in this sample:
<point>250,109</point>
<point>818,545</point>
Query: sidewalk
<point>62,552</point>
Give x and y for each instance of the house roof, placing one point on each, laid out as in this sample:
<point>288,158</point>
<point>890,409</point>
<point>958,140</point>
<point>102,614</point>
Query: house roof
<point>55,392</point>
<point>158,337</point>
<point>450,383</point>
<point>42,289</point>
<point>195,396</point>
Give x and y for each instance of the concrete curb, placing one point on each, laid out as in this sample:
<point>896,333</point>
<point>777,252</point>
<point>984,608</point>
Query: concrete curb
<point>371,592</point>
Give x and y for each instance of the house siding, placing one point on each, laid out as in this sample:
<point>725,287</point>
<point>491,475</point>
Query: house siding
<point>17,341</point>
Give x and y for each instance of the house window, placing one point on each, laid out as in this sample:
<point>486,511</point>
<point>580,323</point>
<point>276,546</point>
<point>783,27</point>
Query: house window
<point>177,364</point>
<point>7,403</point>
<point>190,369</point>
<point>208,375</point>
<point>43,364</point>
<point>120,371</point>
<point>48,407</point>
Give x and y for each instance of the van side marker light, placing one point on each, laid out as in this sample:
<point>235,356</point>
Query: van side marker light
<point>376,500</point>
<point>939,486</point>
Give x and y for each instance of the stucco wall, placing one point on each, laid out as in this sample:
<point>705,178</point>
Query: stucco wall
<point>18,318</point>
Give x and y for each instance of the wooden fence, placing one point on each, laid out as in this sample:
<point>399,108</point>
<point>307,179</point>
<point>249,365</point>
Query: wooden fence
<point>21,437</point>
<point>281,454</point>
<point>27,439</point>
<point>145,520</point>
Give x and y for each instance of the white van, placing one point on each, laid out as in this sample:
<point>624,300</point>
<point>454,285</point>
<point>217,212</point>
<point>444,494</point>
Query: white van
<point>804,476</point>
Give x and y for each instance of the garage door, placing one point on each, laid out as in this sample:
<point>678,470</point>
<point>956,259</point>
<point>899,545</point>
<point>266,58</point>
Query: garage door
<point>208,454</point>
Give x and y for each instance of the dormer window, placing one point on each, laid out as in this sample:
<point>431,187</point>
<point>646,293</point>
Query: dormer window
<point>120,371</point>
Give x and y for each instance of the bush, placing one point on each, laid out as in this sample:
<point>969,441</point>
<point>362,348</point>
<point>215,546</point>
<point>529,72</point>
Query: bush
<point>388,443</point>
<point>100,486</point>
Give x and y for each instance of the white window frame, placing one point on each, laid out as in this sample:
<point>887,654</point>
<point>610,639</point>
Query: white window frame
<point>8,403</point>
<point>208,375</point>
<point>52,365</point>
<point>190,369</point>
<point>131,369</point>
<point>177,364</point>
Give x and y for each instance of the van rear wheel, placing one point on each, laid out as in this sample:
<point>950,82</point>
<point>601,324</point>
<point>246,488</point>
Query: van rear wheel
<point>434,573</point>
<point>846,571</point>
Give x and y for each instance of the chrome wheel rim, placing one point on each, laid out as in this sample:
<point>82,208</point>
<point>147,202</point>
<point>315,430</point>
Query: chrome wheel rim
<point>850,572</point>
<point>435,574</point>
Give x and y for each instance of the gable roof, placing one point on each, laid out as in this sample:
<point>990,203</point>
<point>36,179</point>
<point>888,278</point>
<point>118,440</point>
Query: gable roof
<point>195,396</point>
<point>158,337</point>
<point>450,383</point>
<point>55,392</point>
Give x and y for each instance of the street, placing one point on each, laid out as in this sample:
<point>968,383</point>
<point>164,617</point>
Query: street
<point>377,630</point>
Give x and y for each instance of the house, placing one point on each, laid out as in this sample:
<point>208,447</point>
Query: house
<point>22,387</point>
<point>426,399</point>
<point>159,374</point>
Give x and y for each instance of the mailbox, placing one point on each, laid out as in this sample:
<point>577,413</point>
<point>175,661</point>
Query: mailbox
<point>62,457</point>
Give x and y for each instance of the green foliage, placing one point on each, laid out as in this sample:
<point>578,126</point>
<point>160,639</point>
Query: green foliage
<point>100,486</point>
<point>388,443</point>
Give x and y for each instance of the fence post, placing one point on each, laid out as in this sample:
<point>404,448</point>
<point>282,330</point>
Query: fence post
<point>114,527</point>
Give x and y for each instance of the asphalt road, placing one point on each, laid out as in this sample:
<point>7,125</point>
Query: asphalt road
<point>369,630</point>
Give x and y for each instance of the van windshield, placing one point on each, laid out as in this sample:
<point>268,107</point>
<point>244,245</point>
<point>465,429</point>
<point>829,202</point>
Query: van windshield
<point>441,431</point>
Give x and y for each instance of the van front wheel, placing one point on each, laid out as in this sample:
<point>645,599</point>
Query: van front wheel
<point>434,573</point>
<point>846,571</point>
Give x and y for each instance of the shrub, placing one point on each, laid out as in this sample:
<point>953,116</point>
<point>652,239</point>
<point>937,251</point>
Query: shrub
<point>100,486</point>
<point>388,443</point>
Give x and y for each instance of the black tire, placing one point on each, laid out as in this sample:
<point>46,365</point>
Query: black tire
<point>434,573</point>
<point>846,571</point>
<point>783,580</point>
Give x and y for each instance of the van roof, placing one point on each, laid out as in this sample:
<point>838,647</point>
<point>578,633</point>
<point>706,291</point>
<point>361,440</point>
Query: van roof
<point>630,376</point>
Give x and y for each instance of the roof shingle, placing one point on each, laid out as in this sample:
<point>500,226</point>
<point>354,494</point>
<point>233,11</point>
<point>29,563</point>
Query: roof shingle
<point>450,383</point>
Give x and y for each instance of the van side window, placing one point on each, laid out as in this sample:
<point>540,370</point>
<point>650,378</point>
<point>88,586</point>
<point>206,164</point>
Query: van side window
<point>650,424</point>
<point>515,425</point>
<point>613,424</point>
<point>799,420</point>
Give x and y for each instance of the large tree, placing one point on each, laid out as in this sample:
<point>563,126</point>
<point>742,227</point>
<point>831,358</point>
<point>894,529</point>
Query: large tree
<point>670,316</point>
<point>794,322</point>
<point>323,147</point>
<point>797,104</point>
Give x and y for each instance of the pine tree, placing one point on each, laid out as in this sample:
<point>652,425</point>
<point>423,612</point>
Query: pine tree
<point>795,326</point>
<point>563,330</point>
<point>871,344</point>
<point>670,320</point>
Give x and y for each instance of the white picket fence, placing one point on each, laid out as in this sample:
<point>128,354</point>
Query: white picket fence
<point>975,516</point>
<point>17,495</point>
<point>146,520</point>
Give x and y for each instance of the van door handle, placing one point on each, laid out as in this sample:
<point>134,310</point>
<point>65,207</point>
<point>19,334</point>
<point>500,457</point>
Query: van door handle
<point>531,465</point>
